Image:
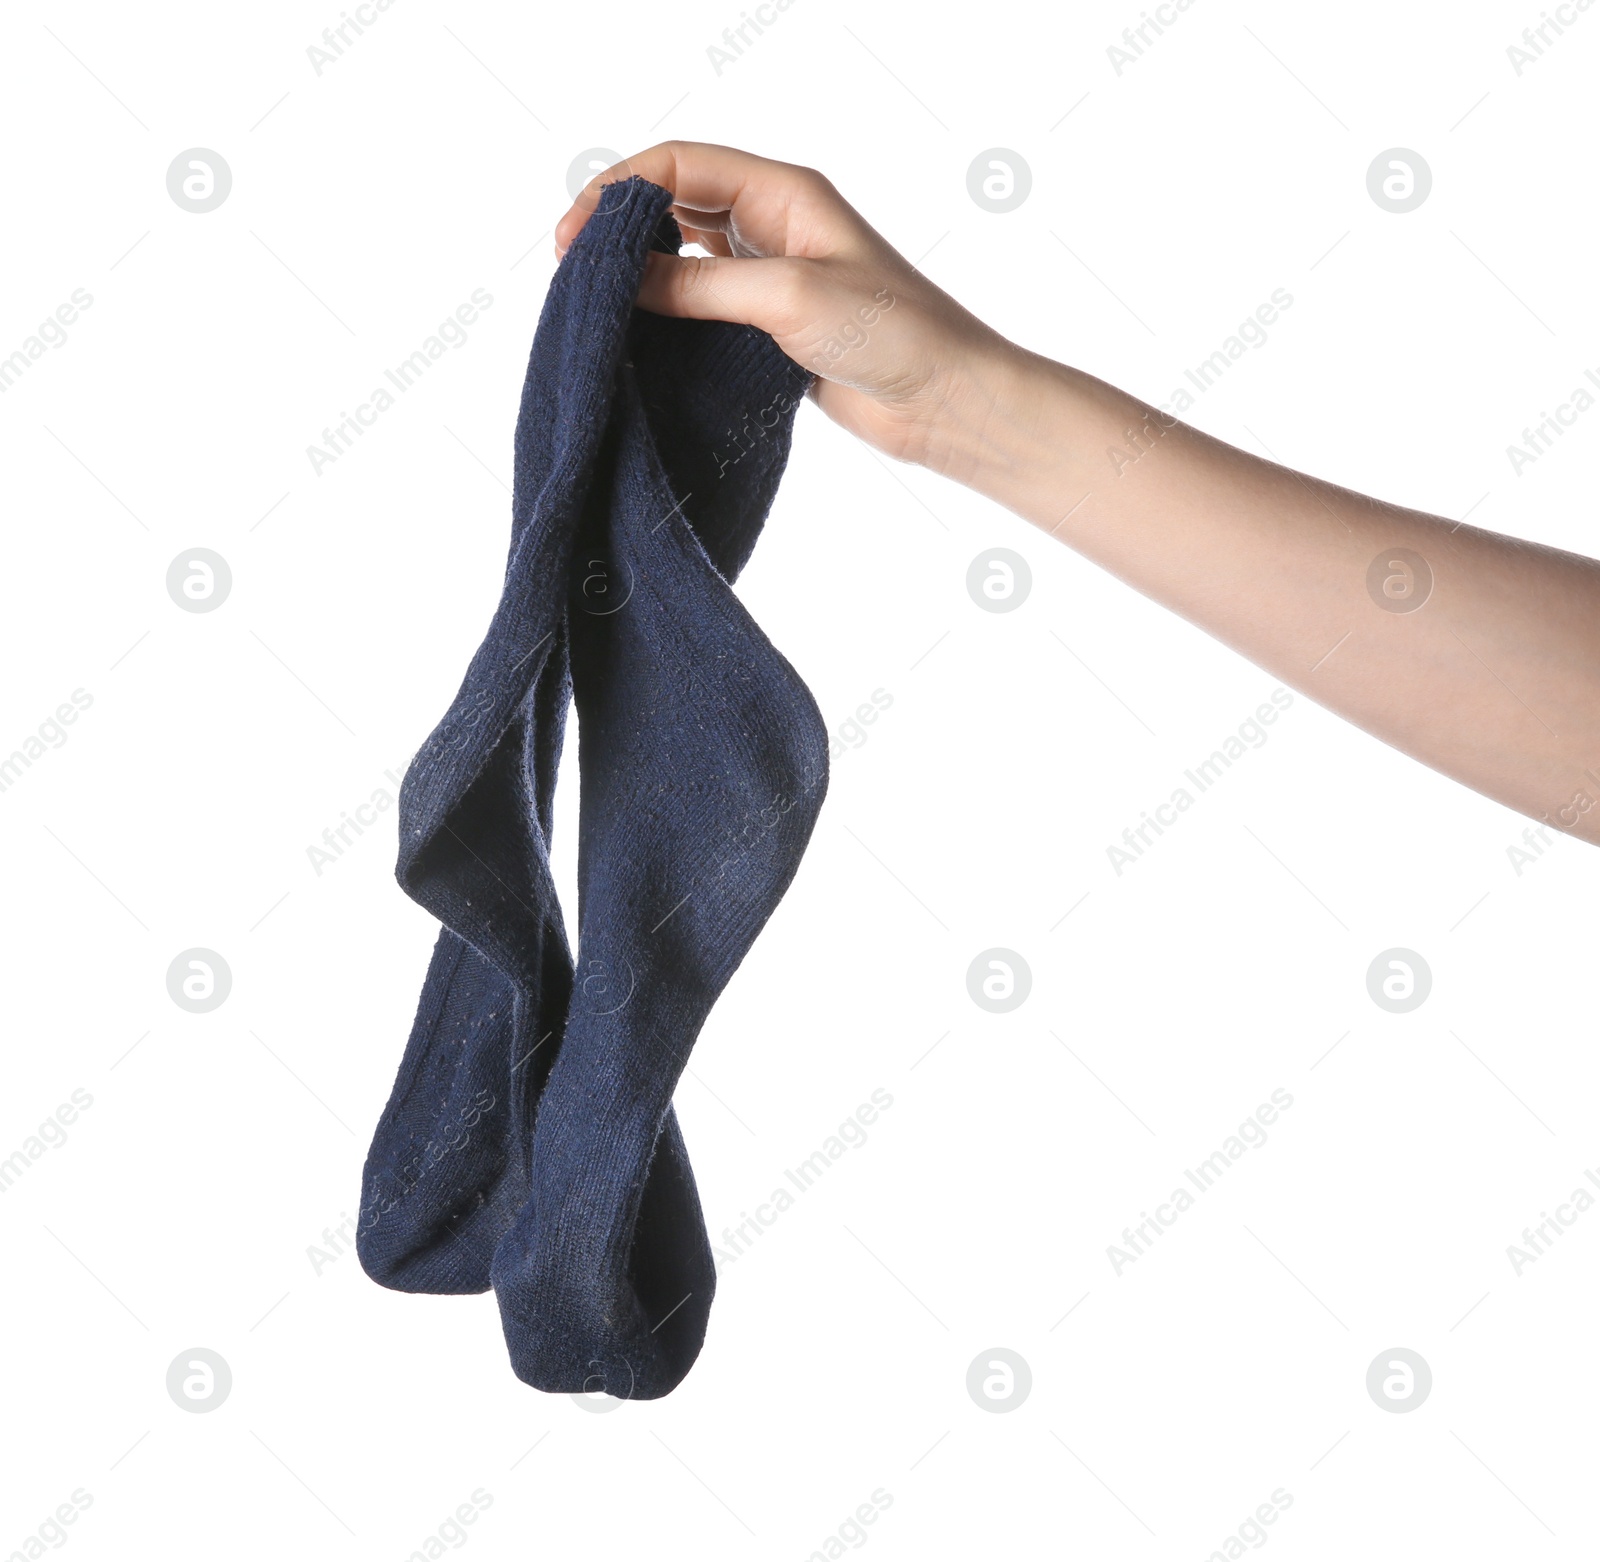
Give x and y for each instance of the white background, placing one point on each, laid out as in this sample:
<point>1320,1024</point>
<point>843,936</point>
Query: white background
<point>1167,203</point>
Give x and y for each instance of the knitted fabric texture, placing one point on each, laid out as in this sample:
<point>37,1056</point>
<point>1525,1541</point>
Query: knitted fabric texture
<point>529,1142</point>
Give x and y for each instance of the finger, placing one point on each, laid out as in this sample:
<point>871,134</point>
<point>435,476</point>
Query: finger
<point>699,227</point>
<point>709,179</point>
<point>766,293</point>
<point>680,166</point>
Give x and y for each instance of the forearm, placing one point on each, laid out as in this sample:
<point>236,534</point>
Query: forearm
<point>1494,679</point>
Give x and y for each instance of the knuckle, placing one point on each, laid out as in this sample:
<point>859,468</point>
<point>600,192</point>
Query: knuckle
<point>697,277</point>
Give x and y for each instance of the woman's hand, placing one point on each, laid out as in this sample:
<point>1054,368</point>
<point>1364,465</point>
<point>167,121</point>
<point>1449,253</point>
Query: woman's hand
<point>900,363</point>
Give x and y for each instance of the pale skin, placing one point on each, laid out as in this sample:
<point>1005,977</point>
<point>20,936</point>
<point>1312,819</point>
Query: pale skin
<point>1493,681</point>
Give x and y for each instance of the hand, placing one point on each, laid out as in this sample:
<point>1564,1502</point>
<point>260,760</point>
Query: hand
<point>900,363</point>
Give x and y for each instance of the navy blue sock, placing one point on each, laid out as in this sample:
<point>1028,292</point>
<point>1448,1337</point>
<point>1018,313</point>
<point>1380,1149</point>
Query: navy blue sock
<point>443,1177</point>
<point>532,1115</point>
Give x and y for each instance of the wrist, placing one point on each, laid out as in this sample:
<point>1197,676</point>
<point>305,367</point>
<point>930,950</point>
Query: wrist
<point>1011,428</point>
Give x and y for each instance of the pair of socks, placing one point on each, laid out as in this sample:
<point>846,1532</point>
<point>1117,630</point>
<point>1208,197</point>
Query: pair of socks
<point>529,1143</point>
